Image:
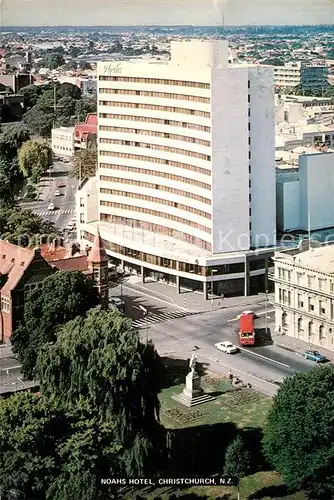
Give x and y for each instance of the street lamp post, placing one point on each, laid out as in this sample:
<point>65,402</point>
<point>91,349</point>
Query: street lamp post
<point>212,272</point>
<point>145,314</point>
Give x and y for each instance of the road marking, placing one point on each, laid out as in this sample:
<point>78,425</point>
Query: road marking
<point>264,357</point>
<point>154,297</point>
<point>261,313</point>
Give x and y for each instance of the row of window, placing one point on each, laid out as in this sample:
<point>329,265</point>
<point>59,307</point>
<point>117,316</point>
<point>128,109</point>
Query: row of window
<point>160,121</point>
<point>303,279</point>
<point>154,133</point>
<point>154,173</point>
<point>153,199</point>
<point>155,107</point>
<point>160,95</point>
<point>154,81</point>
<point>284,297</point>
<point>158,187</point>
<point>151,159</point>
<point>155,213</point>
<point>5,304</point>
<point>156,228</point>
<point>156,147</point>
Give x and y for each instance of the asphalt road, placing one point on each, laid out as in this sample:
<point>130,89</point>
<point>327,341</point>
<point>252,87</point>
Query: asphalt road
<point>177,333</point>
<point>64,204</point>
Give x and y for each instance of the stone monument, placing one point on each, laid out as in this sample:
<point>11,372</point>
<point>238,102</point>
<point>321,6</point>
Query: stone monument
<point>193,393</point>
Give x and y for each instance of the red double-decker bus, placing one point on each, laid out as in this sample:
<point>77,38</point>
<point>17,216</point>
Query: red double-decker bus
<point>246,328</point>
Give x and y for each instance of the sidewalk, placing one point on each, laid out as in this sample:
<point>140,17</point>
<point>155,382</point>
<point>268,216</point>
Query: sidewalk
<point>299,346</point>
<point>188,300</point>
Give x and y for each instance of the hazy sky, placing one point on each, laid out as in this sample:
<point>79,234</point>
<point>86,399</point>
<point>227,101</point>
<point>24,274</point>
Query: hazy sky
<point>140,12</point>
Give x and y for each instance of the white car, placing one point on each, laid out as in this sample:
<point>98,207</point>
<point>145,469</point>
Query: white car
<point>57,192</point>
<point>227,347</point>
<point>51,206</point>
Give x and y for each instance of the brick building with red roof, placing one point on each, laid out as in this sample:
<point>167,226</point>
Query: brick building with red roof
<point>23,270</point>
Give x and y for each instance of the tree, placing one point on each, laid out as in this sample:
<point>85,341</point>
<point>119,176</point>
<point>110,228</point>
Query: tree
<point>63,296</point>
<point>298,439</point>
<point>31,94</point>
<point>66,107</point>
<point>84,106</point>
<point>55,452</point>
<point>39,119</point>
<point>7,197</point>
<point>85,163</point>
<point>11,139</point>
<point>102,359</point>
<point>24,227</point>
<point>237,458</point>
<point>69,90</point>
<point>53,60</point>
<point>34,159</point>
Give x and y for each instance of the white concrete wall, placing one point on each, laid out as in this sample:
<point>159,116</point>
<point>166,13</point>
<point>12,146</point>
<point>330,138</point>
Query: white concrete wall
<point>200,53</point>
<point>62,141</point>
<point>317,187</point>
<point>230,189</point>
<point>87,203</point>
<point>291,205</point>
<point>262,162</point>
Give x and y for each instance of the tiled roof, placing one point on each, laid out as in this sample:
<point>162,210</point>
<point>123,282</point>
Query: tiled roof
<point>76,263</point>
<point>50,253</point>
<point>89,127</point>
<point>98,253</point>
<point>14,260</point>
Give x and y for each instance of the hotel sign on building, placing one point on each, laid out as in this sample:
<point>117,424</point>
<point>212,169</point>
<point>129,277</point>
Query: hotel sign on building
<point>112,69</point>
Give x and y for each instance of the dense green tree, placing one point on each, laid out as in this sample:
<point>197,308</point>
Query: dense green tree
<point>63,296</point>
<point>55,452</point>
<point>34,159</point>
<point>85,163</point>
<point>66,107</point>
<point>6,192</point>
<point>84,65</point>
<point>53,60</point>
<point>299,435</point>
<point>69,90</point>
<point>40,119</point>
<point>84,106</point>
<point>101,358</point>
<point>237,458</point>
<point>31,94</point>
<point>24,227</point>
<point>11,139</point>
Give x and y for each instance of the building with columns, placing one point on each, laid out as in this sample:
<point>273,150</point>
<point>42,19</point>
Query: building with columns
<point>304,295</point>
<point>186,169</point>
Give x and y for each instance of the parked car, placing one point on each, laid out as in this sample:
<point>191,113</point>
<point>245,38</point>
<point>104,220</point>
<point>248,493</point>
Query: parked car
<point>61,184</point>
<point>57,192</point>
<point>51,206</point>
<point>227,347</point>
<point>315,356</point>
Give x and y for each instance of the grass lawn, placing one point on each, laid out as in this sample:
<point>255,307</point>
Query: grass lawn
<point>246,408</point>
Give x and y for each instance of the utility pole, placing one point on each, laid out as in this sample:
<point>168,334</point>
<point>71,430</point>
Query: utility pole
<point>266,312</point>
<point>145,314</point>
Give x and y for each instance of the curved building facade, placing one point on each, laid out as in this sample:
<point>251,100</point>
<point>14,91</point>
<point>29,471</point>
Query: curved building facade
<point>183,175</point>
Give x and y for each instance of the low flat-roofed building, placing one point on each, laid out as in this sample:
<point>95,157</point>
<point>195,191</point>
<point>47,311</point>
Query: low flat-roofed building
<point>304,295</point>
<point>63,141</point>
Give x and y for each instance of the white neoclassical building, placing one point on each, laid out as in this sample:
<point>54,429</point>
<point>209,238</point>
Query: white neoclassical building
<point>304,295</point>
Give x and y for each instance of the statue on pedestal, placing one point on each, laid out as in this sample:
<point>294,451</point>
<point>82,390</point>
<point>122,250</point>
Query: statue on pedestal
<point>193,363</point>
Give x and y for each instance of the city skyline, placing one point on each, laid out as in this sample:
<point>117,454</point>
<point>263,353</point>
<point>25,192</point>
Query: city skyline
<point>156,12</point>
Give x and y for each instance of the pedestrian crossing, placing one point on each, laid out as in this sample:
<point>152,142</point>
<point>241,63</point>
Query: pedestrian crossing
<point>152,319</point>
<point>56,212</point>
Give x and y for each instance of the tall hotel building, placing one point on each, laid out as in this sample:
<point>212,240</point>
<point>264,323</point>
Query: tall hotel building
<point>186,169</point>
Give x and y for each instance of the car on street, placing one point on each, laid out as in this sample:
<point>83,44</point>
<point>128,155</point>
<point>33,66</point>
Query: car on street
<point>61,184</point>
<point>227,347</point>
<point>315,356</point>
<point>51,206</point>
<point>57,192</point>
